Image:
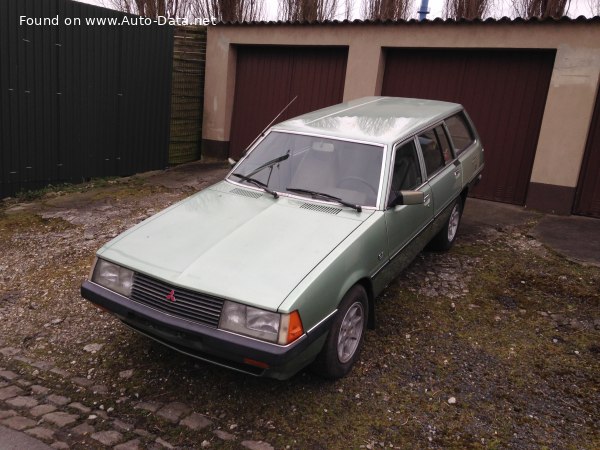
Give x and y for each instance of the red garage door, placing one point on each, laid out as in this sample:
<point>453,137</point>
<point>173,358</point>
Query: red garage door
<point>267,78</point>
<point>504,92</point>
<point>587,201</point>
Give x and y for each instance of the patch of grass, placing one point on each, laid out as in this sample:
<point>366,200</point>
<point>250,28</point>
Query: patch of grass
<point>28,221</point>
<point>136,189</point>
<point>63,188</point>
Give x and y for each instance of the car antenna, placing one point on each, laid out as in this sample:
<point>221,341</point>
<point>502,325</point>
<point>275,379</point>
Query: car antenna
<point>271,123</point>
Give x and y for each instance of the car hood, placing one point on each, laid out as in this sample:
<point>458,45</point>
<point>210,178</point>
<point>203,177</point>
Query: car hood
<point>224,242</point>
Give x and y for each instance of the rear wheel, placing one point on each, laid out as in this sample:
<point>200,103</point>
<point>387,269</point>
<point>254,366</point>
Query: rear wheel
<point>345,337</point>
<point>447,235</point>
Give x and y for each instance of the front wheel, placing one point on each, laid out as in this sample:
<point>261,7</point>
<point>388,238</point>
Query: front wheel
<point>345,337</point>
<point>447,235</point>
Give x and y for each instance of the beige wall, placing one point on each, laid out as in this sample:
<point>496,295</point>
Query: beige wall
<point>570,100</point>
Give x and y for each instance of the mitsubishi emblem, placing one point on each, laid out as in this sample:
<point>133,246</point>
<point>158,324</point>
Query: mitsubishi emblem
<point>171,295</point>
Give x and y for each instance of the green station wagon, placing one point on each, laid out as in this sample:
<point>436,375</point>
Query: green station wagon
<point>278,266</point>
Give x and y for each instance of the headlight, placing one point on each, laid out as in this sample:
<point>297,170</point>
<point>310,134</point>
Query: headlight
<point>264,325</point>
<point>113,277</point>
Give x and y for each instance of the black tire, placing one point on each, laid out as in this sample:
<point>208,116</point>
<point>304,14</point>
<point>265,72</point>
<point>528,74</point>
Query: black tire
<point>445,238</point>
<point>332,363</point>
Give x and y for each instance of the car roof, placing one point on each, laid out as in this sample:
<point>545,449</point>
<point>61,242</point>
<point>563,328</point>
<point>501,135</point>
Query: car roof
<point>381,120</point>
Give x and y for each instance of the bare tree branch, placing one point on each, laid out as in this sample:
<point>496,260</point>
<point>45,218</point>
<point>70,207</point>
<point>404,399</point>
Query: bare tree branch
<point>307,10</point>
<point>467,9</point>
<point>541,8</point>
<point>388,9</point>
<point>222,10</point>
<point>228,10</point>
<point>150,8</point>
<point>594,7</point>
<point>349,6</point>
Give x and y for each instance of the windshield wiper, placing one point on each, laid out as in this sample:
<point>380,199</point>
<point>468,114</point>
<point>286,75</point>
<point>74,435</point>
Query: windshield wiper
<point>324,195</point>
<point>259,183</point>
<point>269,163</point>
<point>256,183</point>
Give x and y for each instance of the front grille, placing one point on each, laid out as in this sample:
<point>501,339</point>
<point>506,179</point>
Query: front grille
<point>188,305</point>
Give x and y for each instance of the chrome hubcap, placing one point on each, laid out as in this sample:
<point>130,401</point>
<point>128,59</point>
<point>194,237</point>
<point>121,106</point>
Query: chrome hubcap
<point>350,332</point>
<point>453,223</point>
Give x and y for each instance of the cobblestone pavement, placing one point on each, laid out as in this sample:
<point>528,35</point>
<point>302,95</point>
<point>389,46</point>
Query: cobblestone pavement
<point>494,343</point>
<point>31,401</point>
<point>39,397</point>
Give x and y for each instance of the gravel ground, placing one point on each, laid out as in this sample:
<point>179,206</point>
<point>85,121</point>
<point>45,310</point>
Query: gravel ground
<point>493,344</point>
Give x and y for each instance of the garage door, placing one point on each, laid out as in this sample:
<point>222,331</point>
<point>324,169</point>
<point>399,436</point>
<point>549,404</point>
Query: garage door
<point>587,201</point>
<point>267,78</point>
<point>504,92</point>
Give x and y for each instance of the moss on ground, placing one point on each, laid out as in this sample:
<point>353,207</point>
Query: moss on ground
<point>518,351</point>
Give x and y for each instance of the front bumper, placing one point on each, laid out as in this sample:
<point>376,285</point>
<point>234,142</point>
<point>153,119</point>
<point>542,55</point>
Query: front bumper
<point>206,343</point>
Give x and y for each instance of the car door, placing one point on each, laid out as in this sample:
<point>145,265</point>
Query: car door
<point>444,172</point>
<point>406,223</point>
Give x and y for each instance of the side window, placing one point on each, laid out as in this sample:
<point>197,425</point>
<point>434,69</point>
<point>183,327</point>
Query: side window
<point>407,171</point>
<point>432,153</point>
<point>460,132</point>
<point>444,144</point>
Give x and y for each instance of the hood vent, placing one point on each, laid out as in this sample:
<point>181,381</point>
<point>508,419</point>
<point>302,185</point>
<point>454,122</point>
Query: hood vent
<point>245,193</point>
<point>320,208</point>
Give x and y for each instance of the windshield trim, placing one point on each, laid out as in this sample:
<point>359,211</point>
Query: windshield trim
<point>324,136</point>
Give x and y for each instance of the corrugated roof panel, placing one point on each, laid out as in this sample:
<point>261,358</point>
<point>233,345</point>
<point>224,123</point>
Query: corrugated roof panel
<point>437,20</point>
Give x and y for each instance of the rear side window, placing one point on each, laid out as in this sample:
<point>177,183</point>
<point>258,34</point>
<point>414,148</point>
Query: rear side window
<point>460,132</point>
<point>444,143</point>
<point>432,152</point>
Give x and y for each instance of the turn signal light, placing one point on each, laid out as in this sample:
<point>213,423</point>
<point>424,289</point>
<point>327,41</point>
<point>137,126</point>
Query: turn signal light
<point>295,329</point>
<point>290,329</point>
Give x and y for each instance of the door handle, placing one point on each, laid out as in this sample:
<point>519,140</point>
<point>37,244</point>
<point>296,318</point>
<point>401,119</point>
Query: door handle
<point>457,172</point>
<point>427,200</point>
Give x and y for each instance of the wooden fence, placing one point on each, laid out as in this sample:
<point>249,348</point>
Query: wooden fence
<point>187,94</point>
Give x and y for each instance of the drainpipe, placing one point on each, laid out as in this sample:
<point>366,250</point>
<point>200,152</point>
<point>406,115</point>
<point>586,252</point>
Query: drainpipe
<point>424,9</point>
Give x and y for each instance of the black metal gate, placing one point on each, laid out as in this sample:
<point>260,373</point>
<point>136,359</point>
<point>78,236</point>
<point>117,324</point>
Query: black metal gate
<point>80,97</point>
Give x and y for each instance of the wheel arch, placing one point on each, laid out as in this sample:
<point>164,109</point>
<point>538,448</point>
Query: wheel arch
<point>463,197</point>
<point>367,284</point>
<point>351,263</point>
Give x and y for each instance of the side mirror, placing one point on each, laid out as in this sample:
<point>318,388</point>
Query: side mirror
<point>232,162</point>
<point>409,198</point>
<point>412,197</point>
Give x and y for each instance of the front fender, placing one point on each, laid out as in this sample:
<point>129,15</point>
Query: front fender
<point>360,255</point>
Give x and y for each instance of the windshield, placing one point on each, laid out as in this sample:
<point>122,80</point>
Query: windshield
<point>347,170</point>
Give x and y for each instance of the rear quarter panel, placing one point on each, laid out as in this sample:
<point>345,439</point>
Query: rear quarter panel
<point>472,158</point>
